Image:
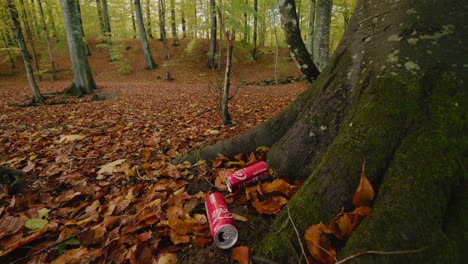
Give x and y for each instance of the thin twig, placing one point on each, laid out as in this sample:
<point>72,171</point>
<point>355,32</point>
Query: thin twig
<point>380,253</point>
<point>298,237</point>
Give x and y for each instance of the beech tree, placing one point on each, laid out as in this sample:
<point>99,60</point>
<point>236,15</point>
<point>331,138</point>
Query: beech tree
<point>83,81</point>
<point>393,94</point>
<point>212,52</point>
<point>297,48</point>
<point>321,42</point>
<point>150,64</point>
<point>49,44</point>
<point>37,97</point>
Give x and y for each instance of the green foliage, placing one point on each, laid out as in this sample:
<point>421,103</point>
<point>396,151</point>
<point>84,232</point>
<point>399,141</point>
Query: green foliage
<point>192,48</point>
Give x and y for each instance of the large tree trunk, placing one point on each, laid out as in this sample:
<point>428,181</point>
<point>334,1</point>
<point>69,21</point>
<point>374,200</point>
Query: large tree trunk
<point>29,36</point>
<point>310,28</point>
<point>394,94</point>
<point>83,81</point>
<point>36,94</point>
<point>150,64</point>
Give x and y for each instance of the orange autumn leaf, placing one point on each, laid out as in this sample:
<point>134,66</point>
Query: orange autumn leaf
<point>362,211</point>
<point>241,254</point>
<point>365,192</point>
<point>343,224</point>
<point>145,236</point>
<point>277,185</point>
<point>219,160</point>
<point>270,206</point>
<point>318,242</point>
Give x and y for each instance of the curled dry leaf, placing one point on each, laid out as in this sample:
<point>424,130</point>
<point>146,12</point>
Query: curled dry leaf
<point>270,206</point>
<point>277,185</point>
<point>241,254</point>
<point>318,243</point>
<point>365,192</point>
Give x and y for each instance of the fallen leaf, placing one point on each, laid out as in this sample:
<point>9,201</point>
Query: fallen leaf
<point>239,217</point>
<point>365,192</point>
<point>270,206</point>
<point>109,168</point>
<point>317,242</point>
<point>28,167</point>
<point>145,236</point>
<point>35,224</point>
<point>277,185</point>
<point>241,254</point>
<point>70,138</point>
<point>10,225</point>
<point>342,225</point>
<point>168,258</point>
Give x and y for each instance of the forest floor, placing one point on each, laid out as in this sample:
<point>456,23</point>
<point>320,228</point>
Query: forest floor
<point>100,187</point>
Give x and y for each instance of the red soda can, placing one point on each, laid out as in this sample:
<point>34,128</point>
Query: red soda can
<point>222,225</point>
<point>247,175</point>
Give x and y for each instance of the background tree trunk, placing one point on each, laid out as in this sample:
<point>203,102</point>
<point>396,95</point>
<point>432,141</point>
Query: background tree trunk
<point>225,116</point>
<point>150,64</point>
<point>175,39</point>
<point>132,5</point>
<point>297,48</point>
<point>212,52</point>
<point>394,94</point>
<point>107,29</point>
<point>49,45</point>
<point>29,36</point>
<point>149,30</point>
<point>80,21</point>
<point>310,28</point>
<point>102,27</point>
<point>83,81</point>
<point>255,29</point>
<point>36,94</point>
<point>162,26</point>
<point>322,33</point>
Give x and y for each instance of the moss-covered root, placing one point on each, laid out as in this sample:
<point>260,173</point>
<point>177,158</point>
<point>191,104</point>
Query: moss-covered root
<point>409,212</point>
<point>264,134</point>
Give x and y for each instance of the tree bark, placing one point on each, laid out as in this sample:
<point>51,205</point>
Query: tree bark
<point>49,45</point>
<point>132,5</point>
<point>29,36</point>
<point>83,81</point>
<point>148,20</point>
<point>310,29</point>
<point>322,33</point>
<point>255,29</point>
<point>150,64</point>
<point>184,22</point>
<point>107,30</point>
<point>7,48</point>
<point>296,46</point>
<point>37,97</point>
<point>212,52</point>
<point>224,109</point>
<point>175,39</point>
<point>394,94</point>
<point>80,20</point>
<point>100,17</point>
<point>162,26</point>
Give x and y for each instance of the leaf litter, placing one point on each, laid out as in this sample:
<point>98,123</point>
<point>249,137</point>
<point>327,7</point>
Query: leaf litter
<point>101,170</point>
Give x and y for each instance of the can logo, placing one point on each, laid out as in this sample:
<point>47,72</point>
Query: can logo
<point>222,225</point>
<point>247,175</point>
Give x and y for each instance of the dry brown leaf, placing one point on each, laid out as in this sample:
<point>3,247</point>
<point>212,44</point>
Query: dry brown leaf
<point>145,236</point>
<point>168,258</point>
<point>72,256</point>
<point>109,168</point>
<point>241,254</point>
<point>316,235</point>
<point>342,225</point>
<point>277,185</point>
<point>270,206</point>
<point>365,192</point>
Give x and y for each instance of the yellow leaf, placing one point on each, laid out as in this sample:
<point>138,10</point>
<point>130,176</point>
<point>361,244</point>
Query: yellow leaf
<point>109,168</point>
<point>168,258</point>
<point>33,157</point>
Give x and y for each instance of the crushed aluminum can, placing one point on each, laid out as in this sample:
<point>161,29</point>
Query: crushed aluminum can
<point>248,175</point>
<point>222,225</point>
